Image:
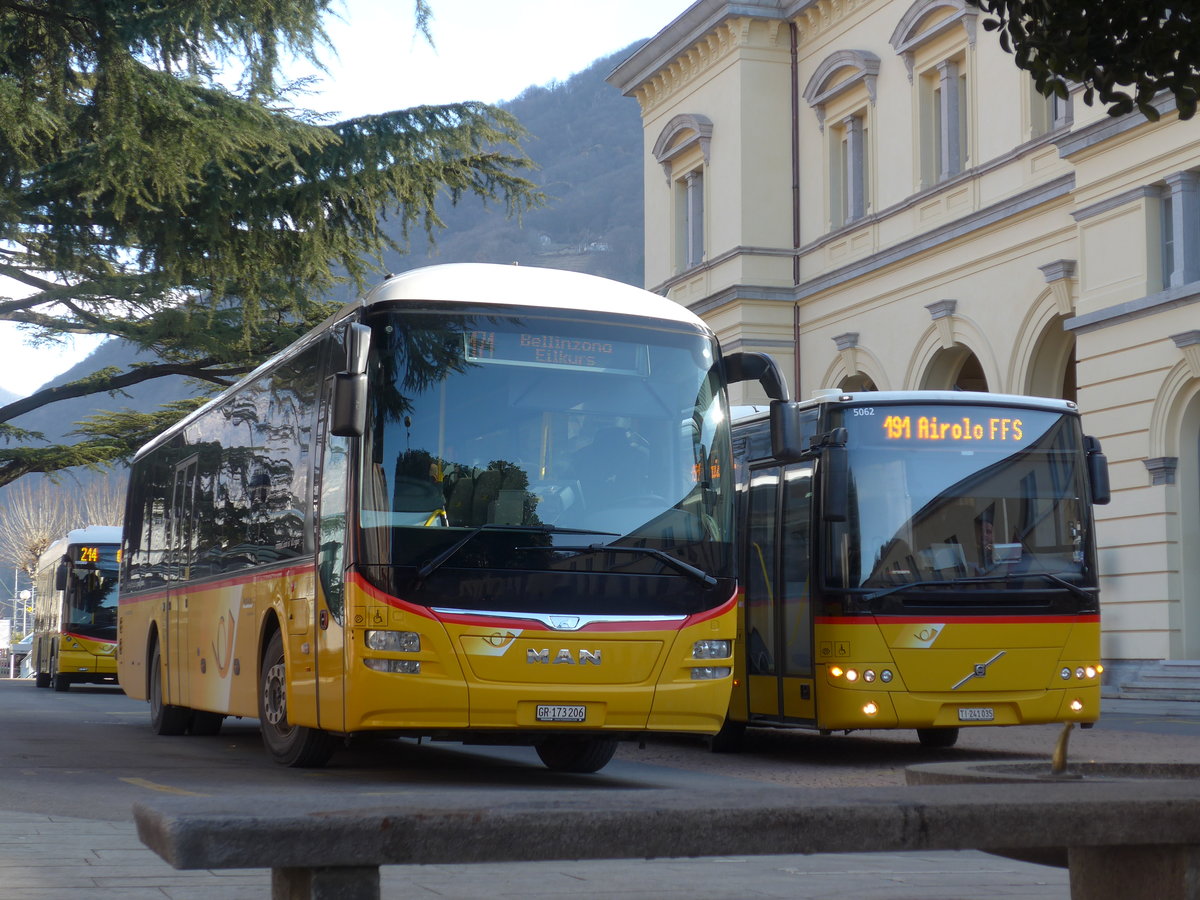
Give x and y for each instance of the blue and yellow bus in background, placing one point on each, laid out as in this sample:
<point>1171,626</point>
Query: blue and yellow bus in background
<point>75,609</point>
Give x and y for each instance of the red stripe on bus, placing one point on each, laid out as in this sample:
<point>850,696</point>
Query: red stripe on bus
<point>84,637</point>
<point>957,620</point>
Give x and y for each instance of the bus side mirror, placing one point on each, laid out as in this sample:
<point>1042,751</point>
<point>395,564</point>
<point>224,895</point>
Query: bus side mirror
<point>348,417</point>
<point>835,476</point>
<point>787,438</point>
<point>748,366</point>
<point>60,577</point>
<point>1097,469</point>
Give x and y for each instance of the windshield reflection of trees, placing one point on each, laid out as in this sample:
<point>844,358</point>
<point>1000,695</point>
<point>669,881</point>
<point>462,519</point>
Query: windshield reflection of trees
<point>1023,513</point>
<point>461,443</point>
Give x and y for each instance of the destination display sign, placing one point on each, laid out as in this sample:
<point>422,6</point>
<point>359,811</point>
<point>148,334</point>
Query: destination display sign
<point>959,427</point>
<point>559,351</point>
<point>989,429</point>
<point>93,554</point>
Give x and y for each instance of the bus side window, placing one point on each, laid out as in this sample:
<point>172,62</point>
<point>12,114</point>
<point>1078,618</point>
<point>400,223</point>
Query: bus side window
<point>760,572</point>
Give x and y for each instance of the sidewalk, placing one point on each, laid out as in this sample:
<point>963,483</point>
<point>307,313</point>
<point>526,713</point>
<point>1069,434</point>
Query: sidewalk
<point>59,858</point>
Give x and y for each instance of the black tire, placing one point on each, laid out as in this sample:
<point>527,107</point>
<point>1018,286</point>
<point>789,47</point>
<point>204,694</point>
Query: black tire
<point>58,681</point>
<point>289,745</point>
<point>164,719</point>
<point>937,737</point>
<point>41,679</point>
<point>729,739</point>
<point>575,754</point>
<point>205,723</point>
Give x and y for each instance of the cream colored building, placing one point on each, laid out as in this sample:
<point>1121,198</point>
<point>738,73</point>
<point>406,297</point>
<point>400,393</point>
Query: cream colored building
<point>871,191</point>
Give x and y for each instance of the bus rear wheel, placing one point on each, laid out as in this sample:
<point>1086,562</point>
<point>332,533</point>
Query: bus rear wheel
<point>164,718</point>
<point>288,745</point>
<point>572,754</point>
<point>937,737</point>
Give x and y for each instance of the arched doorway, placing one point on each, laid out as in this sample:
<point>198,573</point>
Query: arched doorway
<point>1188,482</point>
<point>955,369</point>
<point>1051,370</point>
<point>856,383</point>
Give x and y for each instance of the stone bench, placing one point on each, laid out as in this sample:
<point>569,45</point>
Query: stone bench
<point>1126,840</point>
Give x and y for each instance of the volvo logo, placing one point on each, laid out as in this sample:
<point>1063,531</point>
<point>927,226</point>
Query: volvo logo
<point>979,670</point>
<point>563,657</point>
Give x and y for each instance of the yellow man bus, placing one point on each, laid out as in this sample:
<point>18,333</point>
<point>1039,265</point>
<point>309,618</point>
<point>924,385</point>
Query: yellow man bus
<point>75,609</point>
<point>486,503</point>
<point>919,560</point>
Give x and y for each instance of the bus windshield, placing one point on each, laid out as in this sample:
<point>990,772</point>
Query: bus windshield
<point>536,441</point>
<point>987,497</point>
<point>90,596</point>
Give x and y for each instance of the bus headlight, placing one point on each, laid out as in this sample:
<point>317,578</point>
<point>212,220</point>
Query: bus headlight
<point>704,673</point>
<point>1065,673</point>
<point>711,650</point>
<point>394,641</point>
<point>886,676</point>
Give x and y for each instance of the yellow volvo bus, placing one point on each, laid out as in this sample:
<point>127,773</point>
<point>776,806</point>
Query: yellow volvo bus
<point>488,504</point>
<point>918,560</point>
<point>75,609</point>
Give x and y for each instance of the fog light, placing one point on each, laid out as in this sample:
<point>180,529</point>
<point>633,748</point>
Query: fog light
<point>711,650</point>
<point>395,666</point>
<point>1077,705</point>
<point>394,641</point>
<point>870,709</point>
<point>701,673</point>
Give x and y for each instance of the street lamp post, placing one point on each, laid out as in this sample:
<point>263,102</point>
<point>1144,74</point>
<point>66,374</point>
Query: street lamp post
<point>26,596</point>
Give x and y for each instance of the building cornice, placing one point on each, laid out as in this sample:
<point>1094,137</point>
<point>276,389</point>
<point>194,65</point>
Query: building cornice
<point>684,43</point>
<point>1152,304</point>
<point>1110,127</point>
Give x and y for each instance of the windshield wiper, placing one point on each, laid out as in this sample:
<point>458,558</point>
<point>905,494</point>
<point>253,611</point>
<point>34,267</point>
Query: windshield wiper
<point>429,566</point>
<point>674,562</point>
<point>1004,577</point>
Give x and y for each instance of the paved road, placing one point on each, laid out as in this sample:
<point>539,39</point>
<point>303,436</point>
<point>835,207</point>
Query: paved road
<point>74,763</point>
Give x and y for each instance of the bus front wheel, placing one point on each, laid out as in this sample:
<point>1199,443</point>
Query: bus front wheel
<point>164,718</point>
<point>937,737</point>
<point>572,754</point>
<point>288,745</point>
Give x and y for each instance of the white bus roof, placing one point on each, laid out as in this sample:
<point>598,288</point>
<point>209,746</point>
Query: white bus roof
<point>90,534</point>
<point>1051,404</point>
<point>527,286</point>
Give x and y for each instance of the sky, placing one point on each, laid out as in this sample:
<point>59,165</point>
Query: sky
<point>486,50</point>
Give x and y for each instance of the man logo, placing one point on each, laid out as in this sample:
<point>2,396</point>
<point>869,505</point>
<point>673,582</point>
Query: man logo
<point>563,657</point>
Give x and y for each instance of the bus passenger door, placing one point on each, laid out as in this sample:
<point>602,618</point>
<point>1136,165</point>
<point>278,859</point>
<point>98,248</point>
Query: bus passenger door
<point>795,598</point>
<point>761,637</point>
<point>179,555</point>
<point>330,482</point>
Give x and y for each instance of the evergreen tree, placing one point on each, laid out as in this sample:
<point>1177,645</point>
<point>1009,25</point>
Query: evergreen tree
<point>143,198</point>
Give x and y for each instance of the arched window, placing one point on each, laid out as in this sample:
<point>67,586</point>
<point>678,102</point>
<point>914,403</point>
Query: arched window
<point>682,150</point>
